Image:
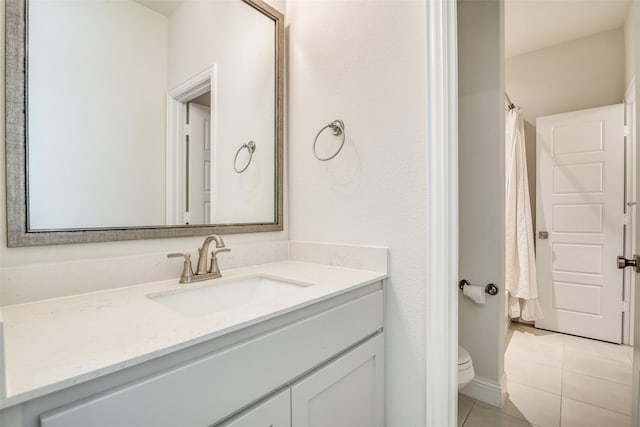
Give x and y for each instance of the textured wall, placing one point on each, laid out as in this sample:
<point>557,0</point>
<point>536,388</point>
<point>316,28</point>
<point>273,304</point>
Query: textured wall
<point>630,30</point>
<point>364,62</point>
<point>481,165</point>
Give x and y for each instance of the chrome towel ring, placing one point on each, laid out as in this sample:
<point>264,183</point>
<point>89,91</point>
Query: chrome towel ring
<point>251,147</point>
<point>337,128</point>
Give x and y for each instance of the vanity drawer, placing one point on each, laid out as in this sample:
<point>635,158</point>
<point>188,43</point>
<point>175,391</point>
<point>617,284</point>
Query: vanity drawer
<point>207,390</point>
<point>273,412</point>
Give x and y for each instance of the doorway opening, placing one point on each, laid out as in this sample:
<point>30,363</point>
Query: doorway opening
<point>191,139</point>
<point>580,160</point>
<point>551,80</point>
<point>571,91</point>
<point>198,161</point>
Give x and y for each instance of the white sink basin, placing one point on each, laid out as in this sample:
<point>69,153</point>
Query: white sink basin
<point>219,296</point>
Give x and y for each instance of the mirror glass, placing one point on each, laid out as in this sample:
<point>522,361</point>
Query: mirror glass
<point>150,113</point>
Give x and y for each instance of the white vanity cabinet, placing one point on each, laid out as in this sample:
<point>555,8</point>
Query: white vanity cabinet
<point>273,412</point>
<point>346,392</point>
<point>320,364</point>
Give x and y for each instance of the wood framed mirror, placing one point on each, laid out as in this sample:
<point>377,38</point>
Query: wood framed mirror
<point>132,119</point>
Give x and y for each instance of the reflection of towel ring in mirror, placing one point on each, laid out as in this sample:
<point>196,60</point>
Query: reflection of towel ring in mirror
<point>251,147</point>
<point>337,128</point>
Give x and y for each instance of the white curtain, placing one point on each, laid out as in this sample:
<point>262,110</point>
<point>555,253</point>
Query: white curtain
<point>520,266</point>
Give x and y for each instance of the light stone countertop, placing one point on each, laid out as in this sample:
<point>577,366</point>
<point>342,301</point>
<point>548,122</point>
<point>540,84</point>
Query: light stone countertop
<point>52,344</point>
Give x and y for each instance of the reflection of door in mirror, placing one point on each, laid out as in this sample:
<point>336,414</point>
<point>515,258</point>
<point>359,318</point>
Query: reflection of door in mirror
<point>198,167</point>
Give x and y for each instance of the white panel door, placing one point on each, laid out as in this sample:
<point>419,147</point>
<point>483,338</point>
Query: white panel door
<point>580,205</point>
<point>349,392</point>
<point>199,164</point>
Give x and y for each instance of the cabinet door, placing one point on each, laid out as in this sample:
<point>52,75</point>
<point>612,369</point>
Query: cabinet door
<point>348,392</point>
<point>273,412</point>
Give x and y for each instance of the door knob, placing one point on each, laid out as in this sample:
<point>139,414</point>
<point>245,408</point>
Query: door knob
<point>634,262</point>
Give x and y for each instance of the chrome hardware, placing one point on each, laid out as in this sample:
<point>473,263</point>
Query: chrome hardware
<point>204,251</point>
<point>634,262</point>
<point>337,129</point>
<point>187,270</point>
<point>213,267</point>
<point>204,271</point>
<point>490,289</point>
<point>543,235</point>
<point>251,148</point>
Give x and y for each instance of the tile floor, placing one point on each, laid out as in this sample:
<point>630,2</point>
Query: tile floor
<point>557,380</point>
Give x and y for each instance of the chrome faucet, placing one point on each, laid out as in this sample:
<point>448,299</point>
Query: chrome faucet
<point>204,250</point>
<point>203,271</point>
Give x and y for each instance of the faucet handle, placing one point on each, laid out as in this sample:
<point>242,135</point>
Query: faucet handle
<point>187,270</point>
<point>178,255</point>
<point>214,261</point>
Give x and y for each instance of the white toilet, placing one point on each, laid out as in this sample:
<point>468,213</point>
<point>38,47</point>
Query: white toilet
<point>465,368</point>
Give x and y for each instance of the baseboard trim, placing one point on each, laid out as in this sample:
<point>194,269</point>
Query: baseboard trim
<point>490,392</point>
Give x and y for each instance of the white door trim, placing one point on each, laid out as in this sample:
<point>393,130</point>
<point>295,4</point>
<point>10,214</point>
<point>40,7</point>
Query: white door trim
<point>630,191</point>
<point>442,211</point>
<point>177,98</point>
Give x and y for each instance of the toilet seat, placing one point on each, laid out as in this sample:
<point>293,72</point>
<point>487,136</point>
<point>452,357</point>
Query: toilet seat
<point>464,359</point>
<point>465,367</point>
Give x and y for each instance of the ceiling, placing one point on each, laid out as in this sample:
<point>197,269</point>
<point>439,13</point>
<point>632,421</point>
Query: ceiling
<point>164,7</point>
<point>529,24</point>
<point>535,24</point>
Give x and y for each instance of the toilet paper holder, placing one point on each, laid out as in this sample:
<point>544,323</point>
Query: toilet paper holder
<point>491,289</point>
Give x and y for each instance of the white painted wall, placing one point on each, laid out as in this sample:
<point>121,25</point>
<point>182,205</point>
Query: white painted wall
<point>96,94</point>
<point>240,41</point>
<point>481,192</point>
<point>630,45</point>
<point>581,74</point>
<point>106,254</point>
<point>364,62</point>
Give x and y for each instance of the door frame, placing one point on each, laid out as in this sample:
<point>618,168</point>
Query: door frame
<point>441,330</point>
<point>442,232</point>
<point>630,191</point>
<point>177,99</point>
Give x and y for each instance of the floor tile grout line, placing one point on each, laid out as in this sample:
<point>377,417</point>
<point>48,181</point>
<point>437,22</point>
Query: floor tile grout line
<point>499,411</point>
<point>562,374</point>
<point>561,405</point>
<point>466,417</point>
<point>564,353</point>
<point>567,347</point>
<point>564,347</point>
<point>595,405</point>
<point>597,378</point>
<point>601,357</point>
<point>538,388</point>
<point>588,404</point>
<point>520,417</point>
